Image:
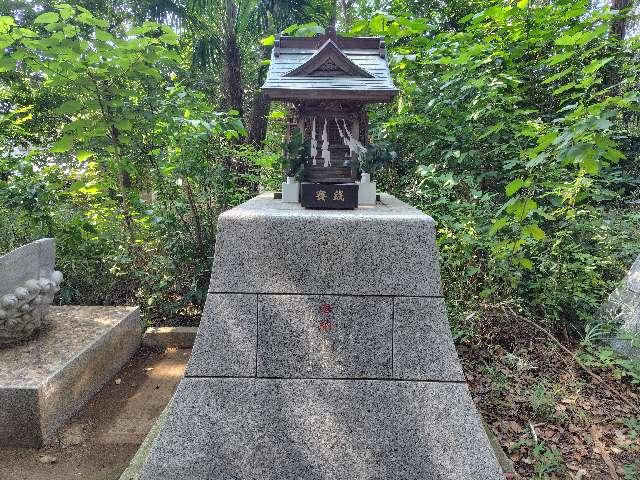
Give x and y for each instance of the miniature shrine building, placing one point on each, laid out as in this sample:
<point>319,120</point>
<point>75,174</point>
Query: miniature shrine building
<point>327,81</point>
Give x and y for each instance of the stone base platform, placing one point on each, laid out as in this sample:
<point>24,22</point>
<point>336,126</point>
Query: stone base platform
<point>324,353</point>
<point>283,429</point>
<point>45,381</point>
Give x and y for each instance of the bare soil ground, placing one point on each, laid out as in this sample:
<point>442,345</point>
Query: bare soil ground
<point>99,442</point>
<point>551,416</point>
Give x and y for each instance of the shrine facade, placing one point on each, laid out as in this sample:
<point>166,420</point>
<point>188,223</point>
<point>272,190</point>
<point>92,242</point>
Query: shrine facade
<point>327,81</point>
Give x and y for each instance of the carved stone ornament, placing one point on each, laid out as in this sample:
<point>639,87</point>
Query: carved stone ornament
<point>24,311</point>
<point>28,283</point>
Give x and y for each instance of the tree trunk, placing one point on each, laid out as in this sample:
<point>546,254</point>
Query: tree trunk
<point>261,106</point>
<point>347,17</point>
<point>258,121</point>
<point>618,32</point>
<point>232,74</point>
<point>619,25</point>
<point>124,185</point>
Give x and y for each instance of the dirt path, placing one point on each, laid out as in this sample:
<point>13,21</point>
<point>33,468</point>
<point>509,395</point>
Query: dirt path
<point>99,442</point>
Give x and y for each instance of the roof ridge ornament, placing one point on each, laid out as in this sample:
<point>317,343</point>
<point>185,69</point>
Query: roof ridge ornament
<point>329,61</point>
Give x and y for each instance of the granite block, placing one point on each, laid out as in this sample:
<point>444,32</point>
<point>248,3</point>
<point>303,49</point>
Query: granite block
<point>226,341</point>
<point>423,348</point>
<point>315,336</point>
<point>45,381</point>
<point>272,429</point>
<point>268,246</point>
<point>437,424</point>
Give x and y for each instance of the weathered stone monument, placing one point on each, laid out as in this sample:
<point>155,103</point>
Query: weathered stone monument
<point>52,359</point>
<point>324,352</point>
<point>623,308</point>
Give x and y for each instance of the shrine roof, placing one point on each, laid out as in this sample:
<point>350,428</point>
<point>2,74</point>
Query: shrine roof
<point>329,67</point>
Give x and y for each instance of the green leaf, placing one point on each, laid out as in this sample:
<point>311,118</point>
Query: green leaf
<point>66,10</point>
<point>602,124</point>
<point>7,64</point>
<point>564,88</point>
<point>88,19</point>
<point>5,41</point>
<point>170,38</point>
<point>514,187</point>
<point>596,65</point>
<point>567,39</point>
<point>558,75</point>
<point>83,155</point>
<point>590,165</point>
<point>522,4</point>
<point>6,23</point>
<point>524,262</point>
<point>49,17</point>
<point>498,225</point>
<point>268,41</point>
<point>309,30</point>
<point>277,114</point>
<point>70,31</point>
<point>534,231</point>
<point>63,145</point>
<point>377,23</point>
<point>560,57</point>
<point>71,106</point>
<point>104,36</point>
<point>123,125</point>
<point>521,208</point>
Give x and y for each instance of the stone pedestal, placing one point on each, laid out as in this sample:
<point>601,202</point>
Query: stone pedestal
<point>43,382</point>
<point>324,353</point>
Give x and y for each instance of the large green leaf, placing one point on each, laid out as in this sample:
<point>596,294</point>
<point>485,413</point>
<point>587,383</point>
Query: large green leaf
<point>63,145</point>
<point>514,186</point>
<point>70,106</point>
<point>48,17</point>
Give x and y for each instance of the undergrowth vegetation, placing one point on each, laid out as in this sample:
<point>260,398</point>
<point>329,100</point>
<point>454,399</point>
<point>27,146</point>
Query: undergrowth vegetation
<point>517,129</point>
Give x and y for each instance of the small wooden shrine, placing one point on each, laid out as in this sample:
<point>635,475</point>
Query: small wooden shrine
<point>327,80</point>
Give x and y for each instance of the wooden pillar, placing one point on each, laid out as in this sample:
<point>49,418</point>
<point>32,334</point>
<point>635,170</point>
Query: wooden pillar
<point>363,123</point>
<point>355,128</point>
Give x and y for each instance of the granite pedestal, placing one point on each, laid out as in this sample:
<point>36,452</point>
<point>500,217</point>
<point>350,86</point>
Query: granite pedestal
<point>43,382</point>
<point>324,352</point>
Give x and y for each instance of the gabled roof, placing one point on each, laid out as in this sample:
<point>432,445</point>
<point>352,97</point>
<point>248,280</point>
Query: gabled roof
<point>329,67</point>
<point>329,61</point>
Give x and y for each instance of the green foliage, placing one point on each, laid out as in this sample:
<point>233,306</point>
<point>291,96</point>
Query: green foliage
<point>543,398</point>
<point>376,156</point>
<point>106,148</point>
<point>604,357</point>
<point>517,129</point>
<point>547,461</point>
<point>295,154</point>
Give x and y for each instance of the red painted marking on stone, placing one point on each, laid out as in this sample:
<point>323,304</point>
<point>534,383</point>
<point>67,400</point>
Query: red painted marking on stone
<point>325,324</point>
